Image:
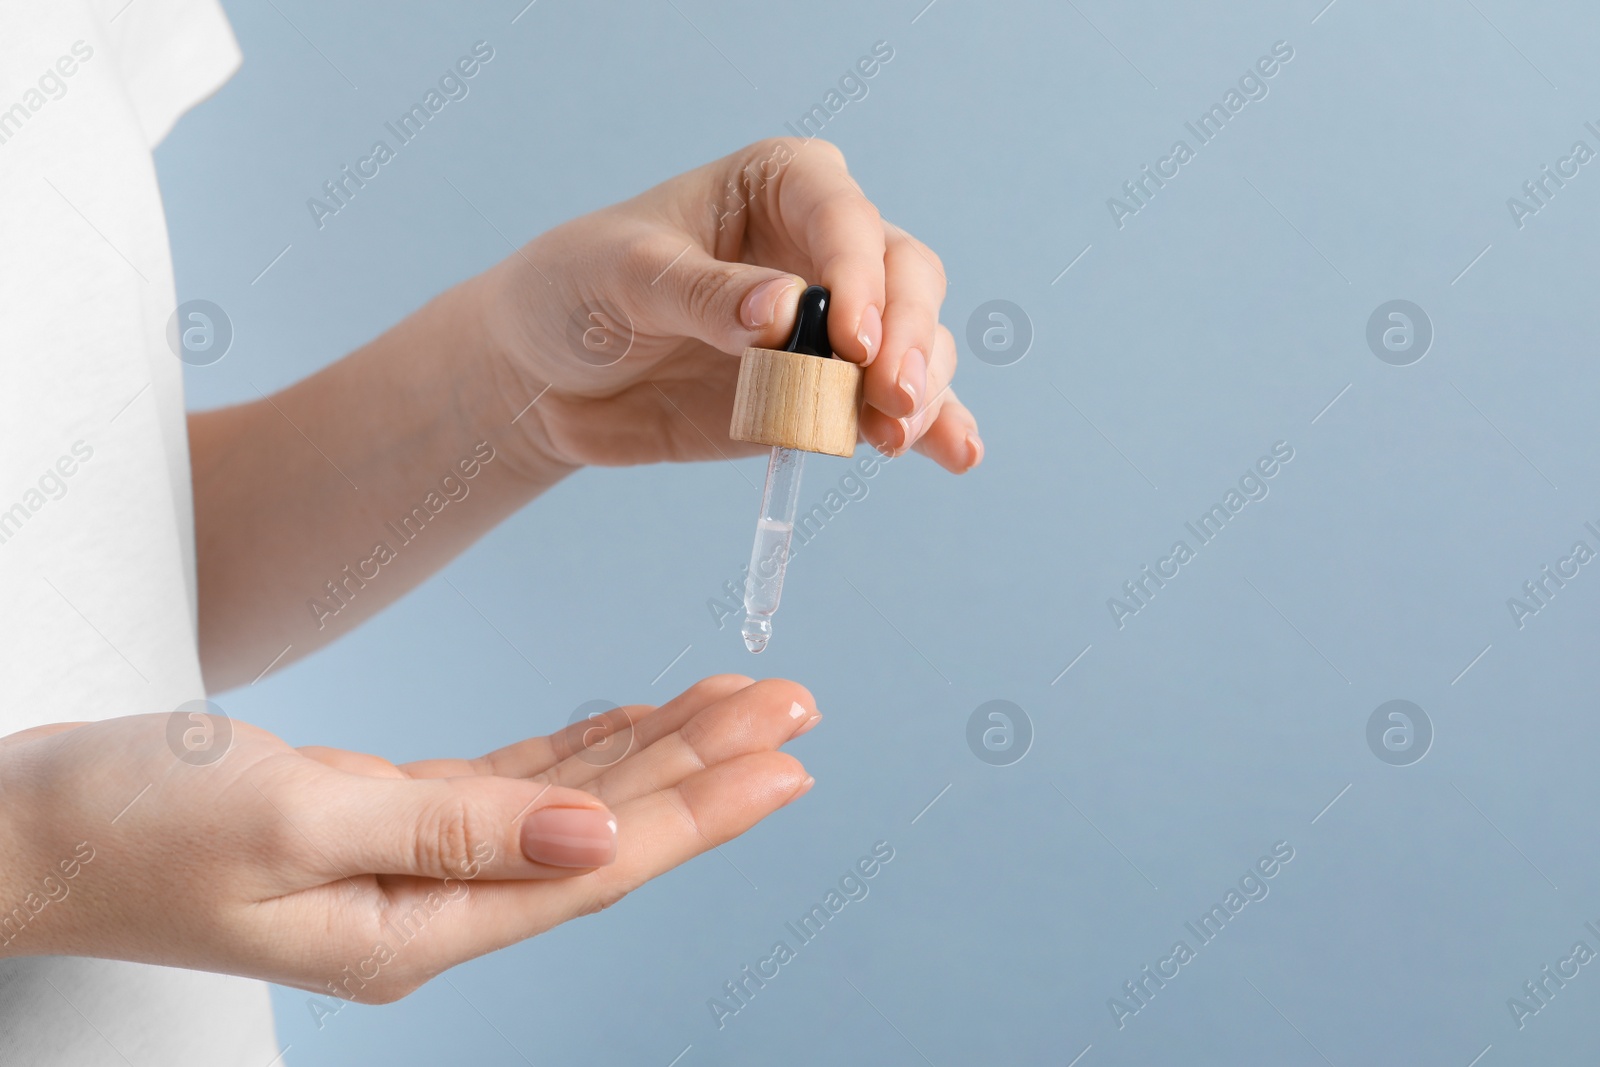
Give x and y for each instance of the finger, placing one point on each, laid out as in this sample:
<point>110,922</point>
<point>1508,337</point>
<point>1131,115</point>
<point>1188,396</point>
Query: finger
<point>704,811</point>
<point>525,759</point>
<point>882,432</point>
<point>838,230</point>
<point>463,828</point>
<point>952,441</point>
<point>901,380</point>
<point>658,832</point>
<point>582,768</point>
<point>895,437</point>
<point>951,449</point>
<point>887,435</point>
<point>757,718</point>
<point>599,737</point>
<point>941,369</point>
<point>729,306</point>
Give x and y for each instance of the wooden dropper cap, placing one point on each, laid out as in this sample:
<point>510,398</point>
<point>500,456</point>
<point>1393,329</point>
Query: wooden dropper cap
<point>802,397</point>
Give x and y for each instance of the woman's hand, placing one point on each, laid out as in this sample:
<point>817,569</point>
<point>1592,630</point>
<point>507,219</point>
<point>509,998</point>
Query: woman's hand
<point>198,842</point>
<point>623,321</point>
<point>612,339</point>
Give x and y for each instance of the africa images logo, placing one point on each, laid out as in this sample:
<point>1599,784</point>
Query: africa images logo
<point>342,188</point>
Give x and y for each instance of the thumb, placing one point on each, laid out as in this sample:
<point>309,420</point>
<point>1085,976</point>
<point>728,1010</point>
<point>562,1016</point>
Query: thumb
<point>729,306</point>
<point>464,828</point>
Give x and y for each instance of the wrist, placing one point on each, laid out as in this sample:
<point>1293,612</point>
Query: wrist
<point>511,411</point>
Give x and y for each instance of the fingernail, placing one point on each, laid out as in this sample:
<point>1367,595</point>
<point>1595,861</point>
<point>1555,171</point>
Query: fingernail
<point>870,332</point>
<point>974,450</point>
<point>798,711</point>
<point>760,307</point>
<point>909,428</point>
<point>805,787</point>
<point>570,837</point>
<point>913,380</point>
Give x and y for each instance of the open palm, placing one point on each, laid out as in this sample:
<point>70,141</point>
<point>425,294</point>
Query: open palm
<point>343,873</point>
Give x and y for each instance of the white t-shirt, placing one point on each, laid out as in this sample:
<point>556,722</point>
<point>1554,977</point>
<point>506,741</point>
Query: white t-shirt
<point>97,569</point>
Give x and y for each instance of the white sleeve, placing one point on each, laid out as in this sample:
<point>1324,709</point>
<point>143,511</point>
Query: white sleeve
<point>172,54</point>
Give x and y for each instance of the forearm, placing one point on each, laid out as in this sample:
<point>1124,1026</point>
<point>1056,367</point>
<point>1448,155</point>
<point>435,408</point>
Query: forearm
<point>302,500</point>
<point>320,505</point>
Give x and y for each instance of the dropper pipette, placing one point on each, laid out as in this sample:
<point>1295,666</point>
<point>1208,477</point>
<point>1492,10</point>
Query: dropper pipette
<point>763,584</point>
<point>769,556</point>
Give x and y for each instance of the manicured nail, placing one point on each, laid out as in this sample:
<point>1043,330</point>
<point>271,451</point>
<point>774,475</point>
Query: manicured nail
<point>913,380</point>
<point>805,787</point>
<point>974,449</point>
<point>798,711</point>
<point>910,427</point>
<point>760,307</point>
<point>870,332</point>
<point>570,837</point>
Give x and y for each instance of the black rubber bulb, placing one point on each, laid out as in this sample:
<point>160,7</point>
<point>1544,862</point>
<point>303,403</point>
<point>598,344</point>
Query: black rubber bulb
<point>811,324</point>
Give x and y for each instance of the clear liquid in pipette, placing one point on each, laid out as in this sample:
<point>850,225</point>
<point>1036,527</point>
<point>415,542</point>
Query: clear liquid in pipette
<point>769,556</point>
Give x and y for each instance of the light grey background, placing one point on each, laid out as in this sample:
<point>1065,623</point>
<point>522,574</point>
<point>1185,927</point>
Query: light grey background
<point>1222,719</point>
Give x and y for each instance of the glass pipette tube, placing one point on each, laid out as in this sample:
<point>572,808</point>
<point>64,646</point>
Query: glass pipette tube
<point>763,584</point>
